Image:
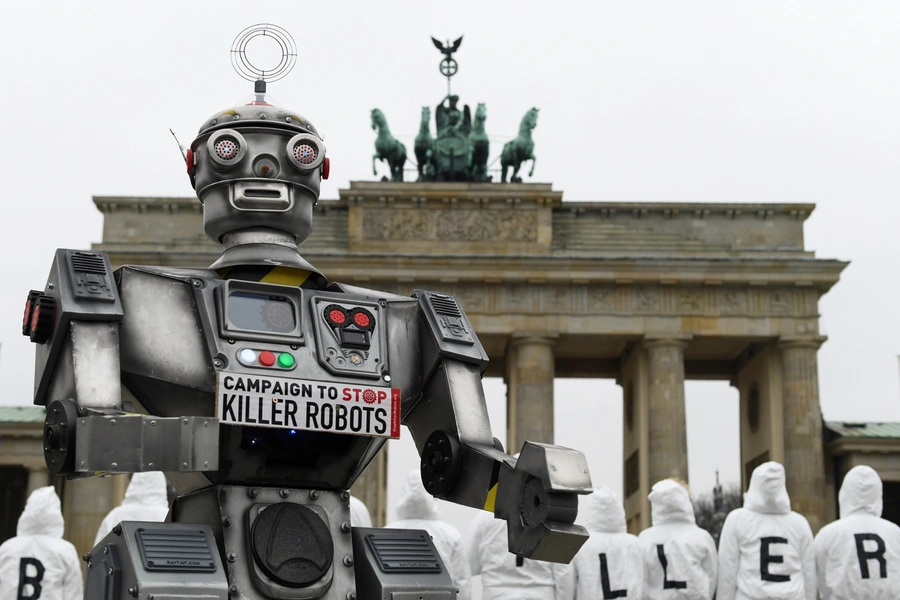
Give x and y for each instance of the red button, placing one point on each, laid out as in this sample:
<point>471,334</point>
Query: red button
<point>266,358</point>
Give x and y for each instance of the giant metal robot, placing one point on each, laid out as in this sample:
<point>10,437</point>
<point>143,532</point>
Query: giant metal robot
<point>263,391</point>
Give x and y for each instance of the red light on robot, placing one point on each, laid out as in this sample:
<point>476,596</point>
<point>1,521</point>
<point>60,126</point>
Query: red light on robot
<point>30,303</point>
<point>43,315</point>
<point>189,160</point>
<point>361,319</point>
<point>326,168</point>
<point>35,318</point>
<point>336,315</point>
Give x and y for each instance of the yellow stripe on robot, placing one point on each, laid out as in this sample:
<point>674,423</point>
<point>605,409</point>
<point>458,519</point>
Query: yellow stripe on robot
<point>286,276</point>
<point>491,499</point>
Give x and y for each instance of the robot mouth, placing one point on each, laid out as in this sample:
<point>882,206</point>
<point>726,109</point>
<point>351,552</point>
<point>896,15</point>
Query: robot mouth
<point>257,193</point>
<point>261,196</point>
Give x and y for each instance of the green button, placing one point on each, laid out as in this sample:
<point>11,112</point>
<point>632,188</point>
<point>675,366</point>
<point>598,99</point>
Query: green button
<point>285,360</point>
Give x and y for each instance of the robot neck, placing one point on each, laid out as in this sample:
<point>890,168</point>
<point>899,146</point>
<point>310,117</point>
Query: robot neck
<point>262,246</point>
<point>256,236</point>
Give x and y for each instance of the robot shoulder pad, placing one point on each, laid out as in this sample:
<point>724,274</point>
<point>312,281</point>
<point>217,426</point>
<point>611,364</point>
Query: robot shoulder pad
<point>448,327</point>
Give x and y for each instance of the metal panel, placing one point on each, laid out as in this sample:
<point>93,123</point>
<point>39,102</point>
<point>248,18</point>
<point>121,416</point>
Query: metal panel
<point>175,550</point>
<point>95,357</point>
<point>561,469</point>
<point>149,584</point>
<point>374,582</point>
<point>449,328</point>
<point>162,334</point>
<point>405,551</point>
<point>134,443</point>
<point>333,355</point>
<point>239,506</point>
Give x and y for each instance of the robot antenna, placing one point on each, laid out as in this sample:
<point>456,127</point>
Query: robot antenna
<point>251,72</point>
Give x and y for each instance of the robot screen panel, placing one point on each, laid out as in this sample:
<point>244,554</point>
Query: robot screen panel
<point>354,338</point>
<point>261,312</point>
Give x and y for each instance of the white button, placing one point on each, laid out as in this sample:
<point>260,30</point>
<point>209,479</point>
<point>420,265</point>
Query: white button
<point>247,356</point>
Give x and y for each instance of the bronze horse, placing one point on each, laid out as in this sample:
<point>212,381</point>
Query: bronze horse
<point>424,142</point>
<point>517,151</point>
<point>387,148</point>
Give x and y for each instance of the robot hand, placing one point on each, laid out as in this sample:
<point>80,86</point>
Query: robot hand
<point>539,501</point>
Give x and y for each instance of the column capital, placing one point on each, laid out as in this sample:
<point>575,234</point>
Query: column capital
<point>801,341</point>
<point>658,340</point>
<point>518,338</point>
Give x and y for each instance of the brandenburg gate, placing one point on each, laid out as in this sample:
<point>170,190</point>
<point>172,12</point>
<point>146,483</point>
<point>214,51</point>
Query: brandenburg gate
<point>650,294</point>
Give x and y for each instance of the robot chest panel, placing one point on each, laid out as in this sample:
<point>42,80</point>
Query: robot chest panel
<point>302,360</point>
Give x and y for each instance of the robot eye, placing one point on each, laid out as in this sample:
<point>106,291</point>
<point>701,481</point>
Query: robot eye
<point>305,152</point>
<point>226,148</point>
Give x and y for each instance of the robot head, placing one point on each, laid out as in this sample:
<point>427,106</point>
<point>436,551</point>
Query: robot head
<point>257,165</point>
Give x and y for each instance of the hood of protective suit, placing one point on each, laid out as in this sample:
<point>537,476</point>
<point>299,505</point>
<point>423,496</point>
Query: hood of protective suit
<point>767,493</point>
<point>148,489</point>
<point>602,512</point>
<point>861,492</point>
<point>415,502</point>
<point>670,503</point>
<point>42,514</point>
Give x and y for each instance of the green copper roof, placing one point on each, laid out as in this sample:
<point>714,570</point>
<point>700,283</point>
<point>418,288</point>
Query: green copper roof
<point>21,414</point>
<point>865,430</point>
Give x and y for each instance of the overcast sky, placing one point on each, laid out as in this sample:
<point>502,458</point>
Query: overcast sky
<point>665,101</point>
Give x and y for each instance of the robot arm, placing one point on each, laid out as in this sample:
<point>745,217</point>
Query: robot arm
<point>463,463</point>
<point>74,322</point>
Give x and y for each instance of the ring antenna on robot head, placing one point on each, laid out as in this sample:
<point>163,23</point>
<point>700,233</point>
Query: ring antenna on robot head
<point>251,72</point>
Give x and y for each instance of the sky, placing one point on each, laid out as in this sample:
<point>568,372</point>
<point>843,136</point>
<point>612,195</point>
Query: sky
<point>639,101</point>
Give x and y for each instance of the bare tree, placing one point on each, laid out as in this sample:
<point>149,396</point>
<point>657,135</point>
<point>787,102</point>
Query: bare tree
<point>711,509</point>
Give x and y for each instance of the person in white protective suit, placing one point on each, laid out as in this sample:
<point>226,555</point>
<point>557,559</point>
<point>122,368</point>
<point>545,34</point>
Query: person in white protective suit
<point>505,576</point>
<point>609,565</point>
<point>679,557</point>
<point>359,513</point>
<point>38,563</point>
<point>146,499</point>
<point>766,550</point>
<point>858,556</point>
<point>417,509</point>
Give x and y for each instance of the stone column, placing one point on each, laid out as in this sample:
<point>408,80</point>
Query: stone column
<point>530,369</point>
<point>804,460</point>
<point>667,437</point>
<point>38,477</point>
<point>371,488</point>
<point>85,503</point>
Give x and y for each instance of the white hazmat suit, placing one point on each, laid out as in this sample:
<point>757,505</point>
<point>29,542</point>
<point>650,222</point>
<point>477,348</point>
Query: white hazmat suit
<point>765,550</point>
<point>858,556</point>
<point>505,576</point>
<point>145,500</point>
<point>38,563</point>
<point>359,513</point>
<point>609,565</point>
<point>679,557</point>
<point>417,509</point>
